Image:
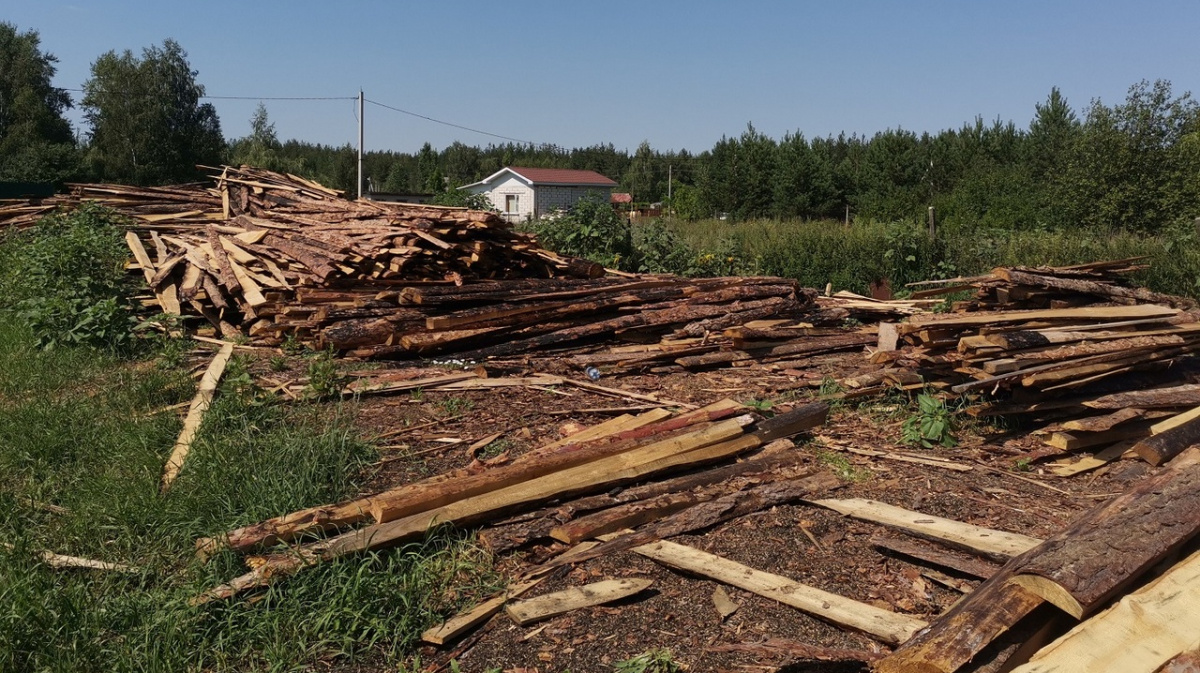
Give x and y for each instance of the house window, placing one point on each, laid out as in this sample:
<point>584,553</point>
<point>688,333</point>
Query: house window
<point>512,203</point>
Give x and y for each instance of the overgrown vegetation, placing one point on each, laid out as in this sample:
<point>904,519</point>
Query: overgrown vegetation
<point>86,423</point>
<point>66,280</point>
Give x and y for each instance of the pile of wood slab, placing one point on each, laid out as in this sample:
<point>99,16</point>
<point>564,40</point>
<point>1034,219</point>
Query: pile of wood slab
<point>1103,368</point>
<point>578,472</point>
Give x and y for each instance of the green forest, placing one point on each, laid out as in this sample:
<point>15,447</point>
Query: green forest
<point>1132,164</point>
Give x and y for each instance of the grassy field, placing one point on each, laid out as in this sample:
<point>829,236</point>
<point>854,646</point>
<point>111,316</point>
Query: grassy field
<point>820,252</point>
<point>81,453</point>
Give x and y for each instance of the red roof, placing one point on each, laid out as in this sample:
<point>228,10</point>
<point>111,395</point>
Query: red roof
<point>562,176</point>
<point>620,197</point>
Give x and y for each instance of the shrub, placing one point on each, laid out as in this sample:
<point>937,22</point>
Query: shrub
<point>65,279</point>
<point>592,230</point>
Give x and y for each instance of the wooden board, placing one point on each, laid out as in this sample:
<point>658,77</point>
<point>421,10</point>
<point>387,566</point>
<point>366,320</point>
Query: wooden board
<point>560,602</point>
<point>994,544</point>
<point>889,627</point>
<point>1143,631</point>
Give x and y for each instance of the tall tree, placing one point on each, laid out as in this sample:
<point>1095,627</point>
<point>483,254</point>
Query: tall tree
<point>262,148</point>
<point>36,143</point>
<point>148,125</point>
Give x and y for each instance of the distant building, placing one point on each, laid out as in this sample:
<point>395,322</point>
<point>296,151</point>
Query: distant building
<point>525,193</point>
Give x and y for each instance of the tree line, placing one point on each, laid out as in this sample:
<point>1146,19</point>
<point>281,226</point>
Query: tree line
<point>1133,164</point>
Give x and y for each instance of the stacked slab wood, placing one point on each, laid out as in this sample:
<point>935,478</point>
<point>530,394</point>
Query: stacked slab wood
<point>499,319</point>
<point>779,340</point>
<point>1105,375</point>
<point>1089,571</point>
<point>622,451</point>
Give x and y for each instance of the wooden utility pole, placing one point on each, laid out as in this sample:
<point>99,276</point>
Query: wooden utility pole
<point>360,143</point>
<point>932,223</point>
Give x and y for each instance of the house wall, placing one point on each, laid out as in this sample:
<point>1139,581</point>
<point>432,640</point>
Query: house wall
<point>499,192</point>
<point>554,197</point>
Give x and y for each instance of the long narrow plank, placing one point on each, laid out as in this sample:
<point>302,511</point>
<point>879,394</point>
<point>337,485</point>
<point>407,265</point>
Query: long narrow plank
<point>1143,631</point>
<point>890,627</point>
<point>191,424</point>
<point>561,602</point>
<point>997,545</point>
<point>289,526</point>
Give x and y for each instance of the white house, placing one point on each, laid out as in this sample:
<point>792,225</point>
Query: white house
<point>524,193</point>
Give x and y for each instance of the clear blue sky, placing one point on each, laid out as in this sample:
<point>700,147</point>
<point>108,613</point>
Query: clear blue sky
<point>677,74</point>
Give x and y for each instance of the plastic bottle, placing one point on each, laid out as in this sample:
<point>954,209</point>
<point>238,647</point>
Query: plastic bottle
<point>592,373</point>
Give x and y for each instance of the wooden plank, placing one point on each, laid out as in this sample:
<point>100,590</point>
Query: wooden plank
<point>454,627</point>
<point>1176,435</point>
<point>1089,313</point>
<point>1100,459</point>
<point>1142,632</point>
<point>315,519</point>
<point>889,627</point>
<point>994,544</point>
<point>926,552</point>
<point>575,598</point>
<point>191,424</point>
<point>1187,395</point>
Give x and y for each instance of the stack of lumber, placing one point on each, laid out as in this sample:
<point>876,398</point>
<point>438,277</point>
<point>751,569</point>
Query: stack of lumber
<point>509,318</point>
<point>1106,368</point>
<point>579,468</point>
<point>1116,590</point>
<point>1052,287</point>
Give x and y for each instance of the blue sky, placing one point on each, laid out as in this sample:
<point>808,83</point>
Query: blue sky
<point>677,74</point>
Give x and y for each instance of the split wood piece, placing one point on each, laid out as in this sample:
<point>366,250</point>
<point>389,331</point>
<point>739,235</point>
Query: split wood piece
<point>561,602</point>
<point>191,424</point>
<point>796,651</point>
<point>1073,441</point>
<point>1172,437</point>
<point>717,443</point>
<point>539,524</point>
<point>958,635</point>
<point>454,627</point>
<point>1143,631</point>
<point>1100,459</point>
<point>996,545</point>
<point>889,627</point>
<point>325,517</point>
<point>605,472</point>
<point>1090,313</point>
<point>424,496</point>
<point>1155,398</point>
<point>1116,543</point>
<point>627,394</point>
<point>63,561</point>
<point>903,458</point>
<point>1105,422</point>
<point>167,299</point>
<point>1067,369</point>
<point>708,514</point>
<point>654,501</point>
<point>365,387</point>
<point>1091,287</point>
<point>924,552</point>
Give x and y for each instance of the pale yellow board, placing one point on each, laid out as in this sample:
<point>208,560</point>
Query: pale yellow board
<point>1144,630</point>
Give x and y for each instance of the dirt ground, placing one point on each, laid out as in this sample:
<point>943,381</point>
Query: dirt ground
<point>803,542</point>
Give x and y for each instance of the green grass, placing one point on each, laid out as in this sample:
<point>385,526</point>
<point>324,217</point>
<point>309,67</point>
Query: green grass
<point>77,431</point>
<point>820,252</point>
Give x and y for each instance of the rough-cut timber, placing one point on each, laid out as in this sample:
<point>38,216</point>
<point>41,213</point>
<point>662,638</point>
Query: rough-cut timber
<point>1142,632</point>
<point>1114,544</point>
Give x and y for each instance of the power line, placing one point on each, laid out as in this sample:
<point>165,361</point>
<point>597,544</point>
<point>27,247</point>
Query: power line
<point>154,93</point>
<point>460,126</point>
